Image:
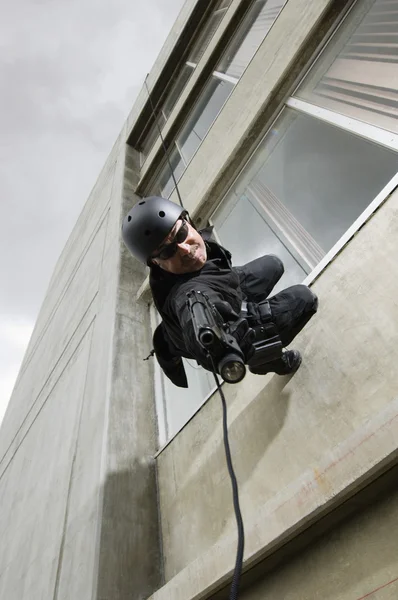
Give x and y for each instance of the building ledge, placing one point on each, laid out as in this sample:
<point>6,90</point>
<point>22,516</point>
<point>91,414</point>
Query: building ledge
<point>344,471</point>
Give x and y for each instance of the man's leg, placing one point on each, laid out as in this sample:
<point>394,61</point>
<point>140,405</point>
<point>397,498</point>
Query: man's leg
<point>259,277</point>
<point>291,310</point>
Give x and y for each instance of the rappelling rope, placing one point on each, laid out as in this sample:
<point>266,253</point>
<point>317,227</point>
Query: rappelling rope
<point>235,495</point>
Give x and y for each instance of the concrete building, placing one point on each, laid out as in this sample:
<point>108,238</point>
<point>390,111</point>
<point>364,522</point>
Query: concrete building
<point>281,120</point>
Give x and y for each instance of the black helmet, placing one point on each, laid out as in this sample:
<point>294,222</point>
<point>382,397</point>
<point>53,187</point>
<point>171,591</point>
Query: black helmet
<point>147,224</point>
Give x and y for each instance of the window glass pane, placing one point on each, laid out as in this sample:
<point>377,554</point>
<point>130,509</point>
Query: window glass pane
<point>357,75</point>
<point>243,230</point>
<point>184,74</point>
<point>202,117</point>
<point>174,405</point>
<point>308,182</point>
<point>152,137</point>
<point>176,89</point>
<point>224,4</point>
<point>164,184</point>
<point>245,44</point>
<point>324,176</point>
<point>205,36</point>
<point>182,403</point>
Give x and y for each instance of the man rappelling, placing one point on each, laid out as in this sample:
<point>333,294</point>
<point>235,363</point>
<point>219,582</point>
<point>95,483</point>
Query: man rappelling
<point>184,260</point>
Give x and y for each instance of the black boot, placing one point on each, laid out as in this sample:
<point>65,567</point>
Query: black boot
<point>286,365</point>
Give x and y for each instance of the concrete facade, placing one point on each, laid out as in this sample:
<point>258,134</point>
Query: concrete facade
<point>78,438</point>
<point>357,559</point>
<point>87,511</point>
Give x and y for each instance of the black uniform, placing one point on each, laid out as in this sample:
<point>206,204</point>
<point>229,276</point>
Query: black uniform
<point>226,287</point>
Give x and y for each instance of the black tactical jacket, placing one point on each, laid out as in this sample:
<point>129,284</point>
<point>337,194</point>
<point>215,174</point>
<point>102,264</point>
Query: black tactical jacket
<point>174,337</point>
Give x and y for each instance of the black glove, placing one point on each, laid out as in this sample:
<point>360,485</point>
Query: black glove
<point>238,328</point>
<point>233,324</point>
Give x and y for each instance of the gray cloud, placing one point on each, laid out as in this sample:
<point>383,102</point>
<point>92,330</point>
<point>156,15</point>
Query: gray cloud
<point>70,71</point>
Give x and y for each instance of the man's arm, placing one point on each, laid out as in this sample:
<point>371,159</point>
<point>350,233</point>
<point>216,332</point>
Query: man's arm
<point>169,362</point>
<point>234,325</point>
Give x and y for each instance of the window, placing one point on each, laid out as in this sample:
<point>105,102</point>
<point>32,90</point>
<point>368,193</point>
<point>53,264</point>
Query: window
<point>243,46</point>
<point>152,136</point>
<point>175,91</point>
<point>253,30</point>
<point>208,31</point>
<point>304,187</point>
<point>165,183</point>
<point>326,158</point>
<point>357,75</point>
<point>255,238</point>
<point>201,119</point>
<point>183,75</point>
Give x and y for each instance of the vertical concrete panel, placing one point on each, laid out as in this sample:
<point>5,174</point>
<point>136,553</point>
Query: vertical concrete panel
<point>129,544</point>
<point>48,350</point>
<point>79,569</point>
<point>34,489</point>
<point>105,511</point>
<point>129,559</point>
<point>78,244</point>
<point>112,517</point>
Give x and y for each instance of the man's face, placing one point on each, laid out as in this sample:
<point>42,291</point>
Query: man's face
<point>190,250</point>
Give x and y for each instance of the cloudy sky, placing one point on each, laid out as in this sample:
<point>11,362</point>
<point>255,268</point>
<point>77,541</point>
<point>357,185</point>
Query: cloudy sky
<point>69,71</point>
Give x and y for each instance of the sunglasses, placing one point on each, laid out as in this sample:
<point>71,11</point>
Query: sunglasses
<point>169,250</point>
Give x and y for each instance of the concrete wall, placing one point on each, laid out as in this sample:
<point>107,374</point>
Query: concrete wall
<point>356,560</point>
<point>77,481</point>
<point>288,433</point>
<point>79,501</point>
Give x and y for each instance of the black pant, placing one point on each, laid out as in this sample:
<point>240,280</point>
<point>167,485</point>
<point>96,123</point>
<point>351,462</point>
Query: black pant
<point>291,308</point>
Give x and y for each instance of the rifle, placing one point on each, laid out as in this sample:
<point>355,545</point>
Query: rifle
<point>211,334</point>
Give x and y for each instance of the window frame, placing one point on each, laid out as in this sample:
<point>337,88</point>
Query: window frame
<point>372,133</point>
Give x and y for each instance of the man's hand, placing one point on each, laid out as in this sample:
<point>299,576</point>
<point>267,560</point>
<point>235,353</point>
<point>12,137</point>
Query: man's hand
<point>244,335</point>
<point>238,328</point>
<point>223,323</point>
